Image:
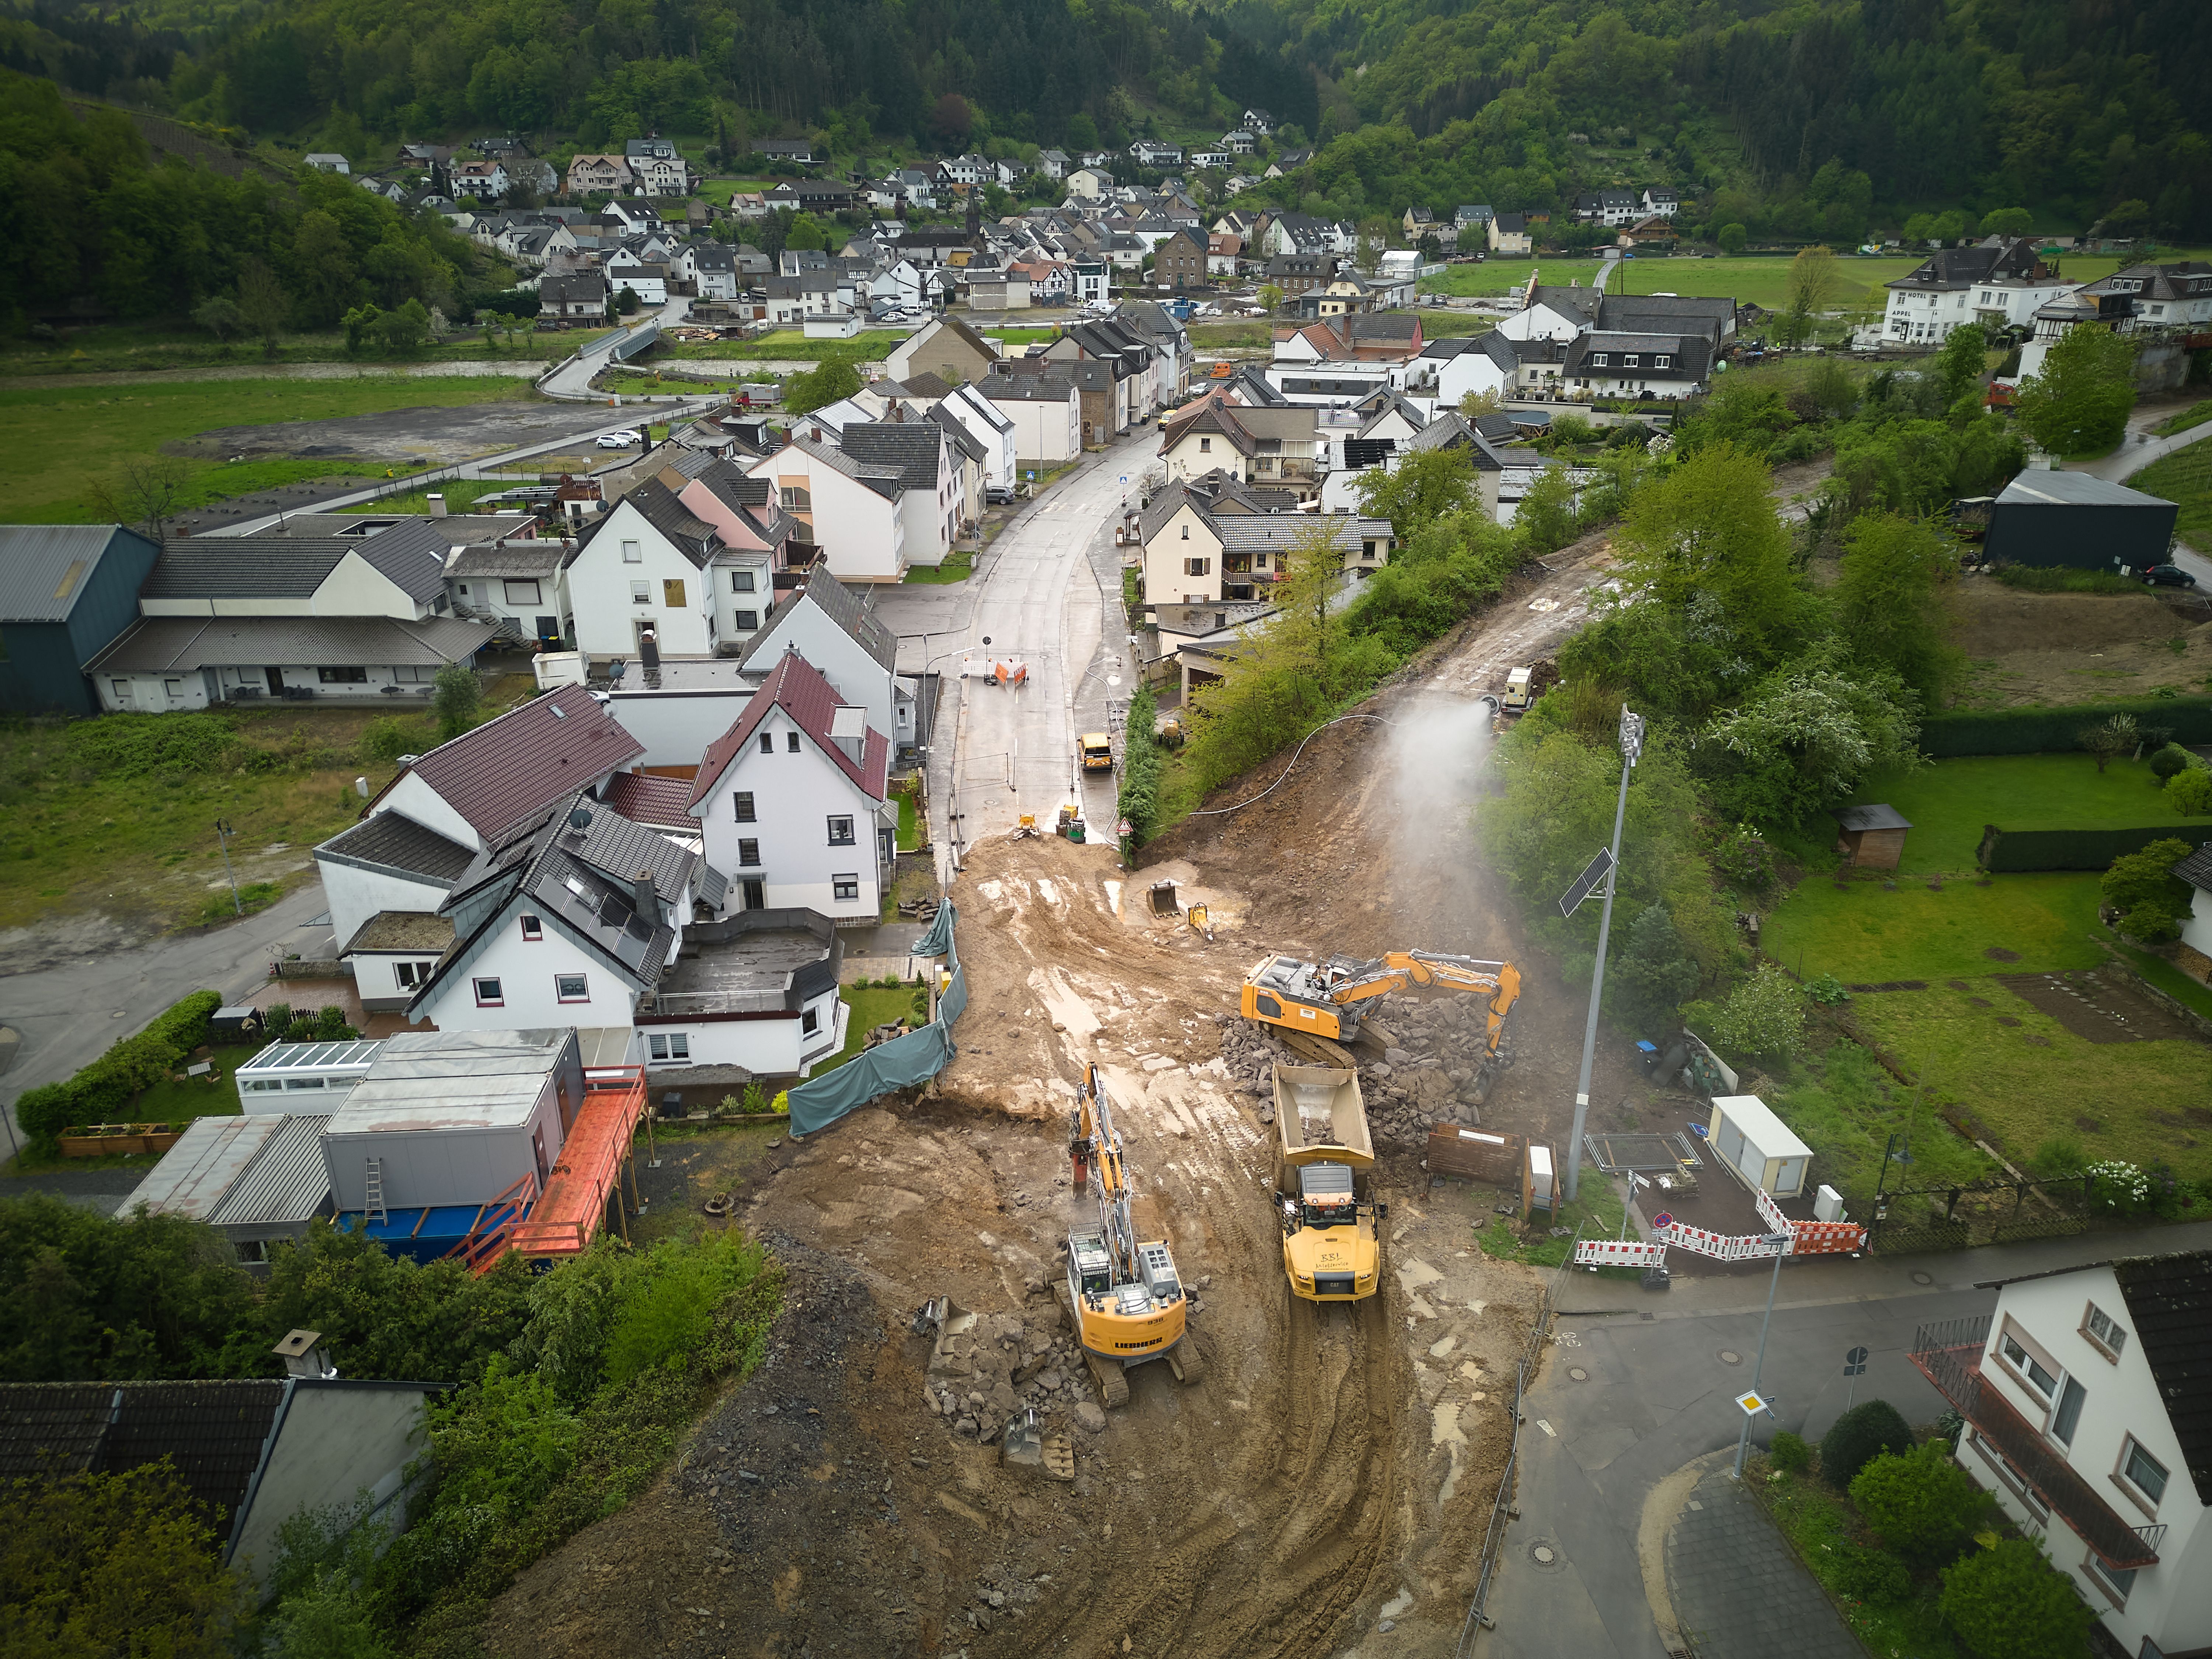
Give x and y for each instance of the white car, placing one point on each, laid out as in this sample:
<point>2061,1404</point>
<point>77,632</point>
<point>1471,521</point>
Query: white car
<point>619,440</point>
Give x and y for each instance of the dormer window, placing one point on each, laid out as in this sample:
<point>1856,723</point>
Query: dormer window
<point>1663,362</point>
<point>1631,360</point>
<point>1599,358</point>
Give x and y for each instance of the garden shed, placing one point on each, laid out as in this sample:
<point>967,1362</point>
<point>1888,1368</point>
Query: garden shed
<point>1762,1148</point>
<point>1871,837</point>
<point>2049,518</point>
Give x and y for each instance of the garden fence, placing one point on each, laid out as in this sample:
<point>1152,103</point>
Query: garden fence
<point>1969,1214</point>
<point>901,1063</point>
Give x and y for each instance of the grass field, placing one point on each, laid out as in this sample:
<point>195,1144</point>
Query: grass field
<point>80,832</point>
<point>869,345</point>
<point>169,343</point>
<point>2195,415</point>
<point>2184,478</point>
<point>1865,934</point>
<point>61,442</point>
<point>870,1007</point>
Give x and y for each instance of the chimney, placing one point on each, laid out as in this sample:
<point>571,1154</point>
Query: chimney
<point>304,1355</point>
<point>643,898</point>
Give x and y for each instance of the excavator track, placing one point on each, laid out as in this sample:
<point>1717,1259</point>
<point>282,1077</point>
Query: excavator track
<point>1319,1050</point>
<point>1113,1381</point>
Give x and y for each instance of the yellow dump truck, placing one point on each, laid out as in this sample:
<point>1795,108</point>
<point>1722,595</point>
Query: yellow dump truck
<point>1332,1241</point>
<point>1097,749</point>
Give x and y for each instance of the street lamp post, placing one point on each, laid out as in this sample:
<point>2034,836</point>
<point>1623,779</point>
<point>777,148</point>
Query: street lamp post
<point>1781,1243</point>
<point>223,832</point>
<point>1631,747</point>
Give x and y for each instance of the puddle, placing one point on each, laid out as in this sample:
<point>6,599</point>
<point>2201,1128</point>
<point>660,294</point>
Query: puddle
<point>1114,897</point>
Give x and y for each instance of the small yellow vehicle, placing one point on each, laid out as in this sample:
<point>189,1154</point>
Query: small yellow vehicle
<point>1332,1242</point>
<point>1096,750</point>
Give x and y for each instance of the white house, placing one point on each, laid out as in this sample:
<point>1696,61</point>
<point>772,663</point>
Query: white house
<point>756,536</point>
<point>711,269</point>
<point>829,625</point>
<point>790,800</point>
<point>323,160</point>
<point>2084,1397</point>
<point>2196,926</point>
<point>850,513</point>
<point>1996,282</point>
<point>512,583</point>
<point>638,583</point>
<point>1090,184</point>
<point>927,467</point>
<point>1045,412</point>
<point>989,426</point>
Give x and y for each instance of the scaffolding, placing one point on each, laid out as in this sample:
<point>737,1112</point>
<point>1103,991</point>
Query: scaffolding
<point>561,1221</point>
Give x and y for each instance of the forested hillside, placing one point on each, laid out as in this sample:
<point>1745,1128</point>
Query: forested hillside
<point>1818,118</point>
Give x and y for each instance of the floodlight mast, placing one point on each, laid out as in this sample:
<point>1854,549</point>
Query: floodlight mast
<point>1631,748</point>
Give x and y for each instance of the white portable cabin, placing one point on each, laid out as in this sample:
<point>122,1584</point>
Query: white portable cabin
<point>303,1076</point>
<point>455,1117</point>
<point>1749,1138</point>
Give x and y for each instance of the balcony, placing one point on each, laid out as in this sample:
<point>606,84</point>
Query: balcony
<point>1949,1355</point>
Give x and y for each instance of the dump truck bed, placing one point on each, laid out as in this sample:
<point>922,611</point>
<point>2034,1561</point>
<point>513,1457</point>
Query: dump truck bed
<point>1319,1115</point>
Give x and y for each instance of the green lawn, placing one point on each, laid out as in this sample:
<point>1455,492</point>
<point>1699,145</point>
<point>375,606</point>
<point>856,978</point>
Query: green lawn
<point>956,568</point>
<point>2195,415</point>
<point>158,344</point>
<point>62,442</point>
<point>869,345</point>
<point>2035,1082</point>
<point>176,1103</point>
<point>909,811</point>
<point>2184,478</point>
<point>1864,934</point>
<point>871,1008</point>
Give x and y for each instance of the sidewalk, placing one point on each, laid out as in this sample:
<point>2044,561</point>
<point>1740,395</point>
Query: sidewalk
<point>1739,1590</point>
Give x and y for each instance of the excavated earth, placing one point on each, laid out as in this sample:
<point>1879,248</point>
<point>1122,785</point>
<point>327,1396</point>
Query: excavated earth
<point>1322,1488</point>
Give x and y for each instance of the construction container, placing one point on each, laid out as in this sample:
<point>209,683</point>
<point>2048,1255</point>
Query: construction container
<point>1749,1138</point>
<point>303,1077</point>
<point>453,1118</point>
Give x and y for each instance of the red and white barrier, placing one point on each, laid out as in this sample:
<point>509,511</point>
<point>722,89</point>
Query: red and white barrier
<point>1619,1253</point>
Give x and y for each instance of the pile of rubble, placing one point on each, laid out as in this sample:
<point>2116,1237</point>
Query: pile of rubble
<point>1420,1059</point>
<point>984,1367</point>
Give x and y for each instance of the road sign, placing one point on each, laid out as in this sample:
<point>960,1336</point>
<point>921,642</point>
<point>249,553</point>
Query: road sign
<point>1032,477</point>
<point>1751,1404</point>
<point>1125,478</point>
<point>1855,1363</point>
<point>1661,1222</point>
<point>1585,884</point>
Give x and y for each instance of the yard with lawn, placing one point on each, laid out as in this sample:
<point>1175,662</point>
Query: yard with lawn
<point>787,344</point>
<point>2184,478</point>
<point>909,792</point>
<point>64,441</point>
<point>871,1005</point>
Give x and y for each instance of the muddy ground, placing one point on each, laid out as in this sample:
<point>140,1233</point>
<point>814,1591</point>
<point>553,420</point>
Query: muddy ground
<point>428,437</point>
<point>2079,647</point>
<point>1323,1487</point>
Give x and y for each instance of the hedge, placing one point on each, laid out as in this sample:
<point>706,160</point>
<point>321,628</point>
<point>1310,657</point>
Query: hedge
<point>2014,846</point>
<point>104,1088</point>
<point>2035,731</point>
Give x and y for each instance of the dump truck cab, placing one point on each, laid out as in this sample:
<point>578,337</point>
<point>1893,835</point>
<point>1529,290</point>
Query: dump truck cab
<point>1332,1245</point>
<point>1097,751</point>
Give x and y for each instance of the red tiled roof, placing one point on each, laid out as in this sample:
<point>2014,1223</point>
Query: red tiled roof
<point>797,687</point>
<point>650,800</point>
<point>518,764</point>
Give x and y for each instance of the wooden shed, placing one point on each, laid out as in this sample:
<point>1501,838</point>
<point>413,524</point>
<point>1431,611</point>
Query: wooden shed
<point>1871,837</point>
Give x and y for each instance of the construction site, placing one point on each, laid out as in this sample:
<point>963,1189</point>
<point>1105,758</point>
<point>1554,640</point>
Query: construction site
<point>928,1463</point>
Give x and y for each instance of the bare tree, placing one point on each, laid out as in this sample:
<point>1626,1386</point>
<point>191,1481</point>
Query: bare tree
<point>145,491</point>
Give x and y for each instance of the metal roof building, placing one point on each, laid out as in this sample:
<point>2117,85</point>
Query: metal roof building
<point>66,591</point>
<point>2050,518</point>
<point>256,1180</point>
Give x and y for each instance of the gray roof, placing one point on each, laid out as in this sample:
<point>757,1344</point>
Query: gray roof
<point>44,566</point>
<point>244,567</point>
<point>1028,388</point>
<point>529,557</point>
<point>885,481</point>
<point>1266,531</point>
<point>2053,489</point>
<point>913,448</point>
<point>155,645</point>
<point>2197,868</point>
<point>392,841</point>
<point>261,1170</point>
<point>1879,817</point>
<point>842,606</point>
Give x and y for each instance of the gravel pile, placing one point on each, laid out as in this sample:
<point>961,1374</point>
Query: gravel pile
<point>979,1378</point>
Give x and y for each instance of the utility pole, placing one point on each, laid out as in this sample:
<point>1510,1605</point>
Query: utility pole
<point>1631,746</point>
<point>1781,1243</point>
<point>223,832</point>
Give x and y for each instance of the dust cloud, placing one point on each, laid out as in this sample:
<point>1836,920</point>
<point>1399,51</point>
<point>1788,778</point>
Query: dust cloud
<point>1438,749</point>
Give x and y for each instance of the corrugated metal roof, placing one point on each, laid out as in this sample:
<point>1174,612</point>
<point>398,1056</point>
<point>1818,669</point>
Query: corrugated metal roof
<point>287,1182</point>
<point>44,566</point>
<point>156,645</point>
<point>2055,489</point>
<point>195,1174</point>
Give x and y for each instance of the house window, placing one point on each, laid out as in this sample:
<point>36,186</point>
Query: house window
<point>633,553</point>
<point>741,581</point>
<point>1205,445</point>
<point>1599,358</point>
<point>768,743</point>
<point>533,929</point>
<point>810,1022</point>
<point>2115,1582</point>
<point>2140,1475</point>
<point>1197,567</point>
<point>2069,1414</point>
<point>841,831</point>
<point>122,689</point>
<point>796,498</point>
<point>748,854</point>
<point>671,593</point>
<point>845,889</point>
<point>1631,360</point>
<point>791,741</point>
<point>745,621</point>
<point>409,975</point>
<point>1663,362</point>
<point>571,987</point>
<point>2104,1332</point>
<point>640,594</point>
<point>489,994</point>
<point>674,1046</point>
<point>1186,532</point>
<point>521,593</point>
<point>343,676</point>
<point>743,800</point>
<point>2030,1368</point>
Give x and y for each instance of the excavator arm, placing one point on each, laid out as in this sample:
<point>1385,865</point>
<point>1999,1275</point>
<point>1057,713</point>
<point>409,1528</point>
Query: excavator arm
<point>1408,970</point>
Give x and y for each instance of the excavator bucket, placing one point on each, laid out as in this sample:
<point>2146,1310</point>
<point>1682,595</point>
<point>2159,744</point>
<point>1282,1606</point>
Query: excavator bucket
<point>1164,902</point>
<point>1024,1440</point>
<point>942,1316</point>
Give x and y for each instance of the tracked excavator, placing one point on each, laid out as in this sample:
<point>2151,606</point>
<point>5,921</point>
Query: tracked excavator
<point>1123,1294</point>
<point>1319,1007</point>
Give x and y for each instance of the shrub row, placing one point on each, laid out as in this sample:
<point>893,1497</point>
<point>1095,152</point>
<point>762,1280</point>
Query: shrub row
<point>104,1088</point>
<point>2032,731</point>
<point>2011,846</point>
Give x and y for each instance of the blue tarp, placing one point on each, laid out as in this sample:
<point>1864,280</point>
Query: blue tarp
<point>902,1062</point>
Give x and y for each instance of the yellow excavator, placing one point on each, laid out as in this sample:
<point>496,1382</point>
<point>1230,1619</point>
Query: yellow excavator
<point>1123,1293</point>
<point>1320,1006</point>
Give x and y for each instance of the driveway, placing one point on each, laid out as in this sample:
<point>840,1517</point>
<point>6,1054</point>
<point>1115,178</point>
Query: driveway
<point>2137,451</point>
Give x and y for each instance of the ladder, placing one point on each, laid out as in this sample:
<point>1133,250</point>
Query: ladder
<point>372,1207</point>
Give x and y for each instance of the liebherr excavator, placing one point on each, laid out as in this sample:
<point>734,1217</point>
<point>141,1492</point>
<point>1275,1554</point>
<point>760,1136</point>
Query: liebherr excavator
<point>1123,1293</point>
<point>1318,1006</point>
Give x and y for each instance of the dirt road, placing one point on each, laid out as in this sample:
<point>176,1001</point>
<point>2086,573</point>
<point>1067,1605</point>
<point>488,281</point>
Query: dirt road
<point>1329,1477</point>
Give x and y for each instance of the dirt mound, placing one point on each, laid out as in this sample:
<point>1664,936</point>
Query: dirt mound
<point>1995,619</point>
<point>2078,647</point>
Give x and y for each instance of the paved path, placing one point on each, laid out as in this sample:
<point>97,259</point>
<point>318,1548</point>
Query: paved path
<point>2137,451</point>
<point>1738,1590</point>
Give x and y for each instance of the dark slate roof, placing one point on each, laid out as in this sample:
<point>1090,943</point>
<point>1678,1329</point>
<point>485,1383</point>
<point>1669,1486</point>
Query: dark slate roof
<point>392,841</point>
<point>411,557</point>
<point>912,448</point>
<point>244,566</point>
<point>658,506</point>
<point>44,566</point>
<point>958,435</point>
<point>2169,1297</point>
<point>1881,817</point>
<point>213,1432</point>
<point>797,687</point>
<point>2197,868</point>
<point>842,606</point>
<point>509,768</point>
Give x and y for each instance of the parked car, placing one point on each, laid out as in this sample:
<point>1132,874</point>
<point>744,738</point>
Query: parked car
<point>619,440</point>
<point>2169,575</point>
<point>998,494</point>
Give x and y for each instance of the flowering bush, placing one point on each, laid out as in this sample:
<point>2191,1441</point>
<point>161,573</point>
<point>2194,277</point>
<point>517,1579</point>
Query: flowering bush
<point>2118,1186</point>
